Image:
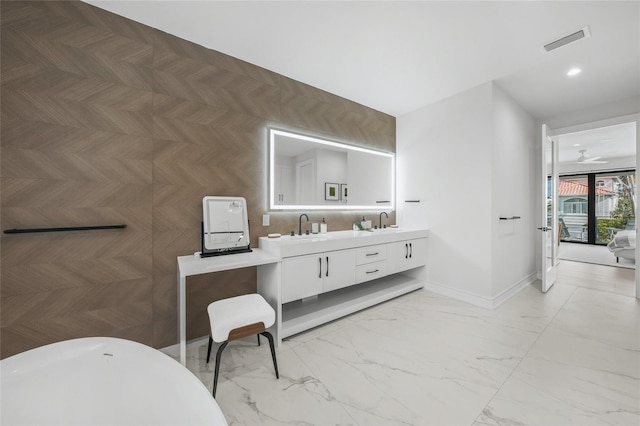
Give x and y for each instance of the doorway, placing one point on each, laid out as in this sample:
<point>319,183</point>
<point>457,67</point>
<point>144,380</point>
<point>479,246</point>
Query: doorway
<point>597,193</point>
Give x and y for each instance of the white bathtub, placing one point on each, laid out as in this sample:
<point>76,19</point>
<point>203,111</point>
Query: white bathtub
<point>102,381</point>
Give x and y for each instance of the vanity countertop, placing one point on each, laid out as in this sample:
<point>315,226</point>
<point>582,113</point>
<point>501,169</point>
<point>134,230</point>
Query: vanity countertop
<point>297,245</point>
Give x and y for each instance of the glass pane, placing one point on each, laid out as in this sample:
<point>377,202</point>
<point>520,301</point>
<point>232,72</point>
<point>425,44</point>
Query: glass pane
<point>615,204</point>
<point>573,195</point>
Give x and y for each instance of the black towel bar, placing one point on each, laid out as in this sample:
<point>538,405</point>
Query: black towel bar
<point>73,228</point>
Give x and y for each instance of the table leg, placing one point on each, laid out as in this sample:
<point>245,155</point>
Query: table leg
<point>182,318</point>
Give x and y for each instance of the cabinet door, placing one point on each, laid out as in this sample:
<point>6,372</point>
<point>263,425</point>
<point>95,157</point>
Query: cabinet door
<point>397,256</point>
<point>406,255</point>
<point>417,253</point>
<point>301,277</point>
<point>339,269</point>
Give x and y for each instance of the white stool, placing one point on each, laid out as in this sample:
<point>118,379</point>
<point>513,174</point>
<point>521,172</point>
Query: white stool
<point>238,317</point>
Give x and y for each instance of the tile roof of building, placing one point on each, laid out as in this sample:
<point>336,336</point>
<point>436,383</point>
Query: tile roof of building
<point>571,187</point>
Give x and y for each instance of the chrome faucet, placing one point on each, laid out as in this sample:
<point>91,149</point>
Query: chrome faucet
<point>300,222</point>
<point>383,213</point>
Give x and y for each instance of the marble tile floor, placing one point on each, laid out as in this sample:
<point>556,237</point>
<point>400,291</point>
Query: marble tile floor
<point>568,357</point>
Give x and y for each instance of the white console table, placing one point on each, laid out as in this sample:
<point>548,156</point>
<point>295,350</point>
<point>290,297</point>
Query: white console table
<point>268,264</point>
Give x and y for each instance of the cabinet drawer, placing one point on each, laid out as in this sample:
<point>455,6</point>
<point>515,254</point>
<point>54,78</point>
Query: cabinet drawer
<point>371,271</point>
<point>371,254</point>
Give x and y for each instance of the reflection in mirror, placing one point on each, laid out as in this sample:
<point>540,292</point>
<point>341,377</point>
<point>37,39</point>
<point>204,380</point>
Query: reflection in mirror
<point>225,226</point>
<point>310,173</point>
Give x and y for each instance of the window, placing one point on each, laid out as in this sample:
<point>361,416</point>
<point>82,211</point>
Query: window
<point>593,207</point>
<point>576,206</point>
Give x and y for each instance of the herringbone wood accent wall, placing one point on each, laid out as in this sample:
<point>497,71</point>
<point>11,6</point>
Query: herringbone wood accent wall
<point>107,121</point>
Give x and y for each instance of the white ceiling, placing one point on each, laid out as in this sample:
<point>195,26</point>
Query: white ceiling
<point>612,144</point>
<point>397,56</point>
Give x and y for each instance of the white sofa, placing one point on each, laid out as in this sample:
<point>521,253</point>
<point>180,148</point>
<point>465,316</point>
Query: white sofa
<point>623,245</point>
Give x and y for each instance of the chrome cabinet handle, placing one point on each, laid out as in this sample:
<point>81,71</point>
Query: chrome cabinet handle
<point>372,254</point>
<point>373,272</point>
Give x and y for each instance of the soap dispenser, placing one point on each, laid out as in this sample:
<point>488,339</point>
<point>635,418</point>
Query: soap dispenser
<point>323,227</point>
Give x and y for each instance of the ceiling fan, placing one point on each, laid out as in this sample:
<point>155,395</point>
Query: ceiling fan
<point>584,158</point>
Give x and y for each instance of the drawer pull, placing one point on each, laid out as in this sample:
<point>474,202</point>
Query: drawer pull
<point>372,254</point>
<point>373,272</point>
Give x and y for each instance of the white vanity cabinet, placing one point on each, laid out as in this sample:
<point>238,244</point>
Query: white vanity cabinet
<point>306,276</point>
<point>327,276</point>
<point>406,255</point>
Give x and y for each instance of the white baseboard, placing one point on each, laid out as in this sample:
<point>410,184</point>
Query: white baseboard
<point>514,289</point>
<point>484,302</point>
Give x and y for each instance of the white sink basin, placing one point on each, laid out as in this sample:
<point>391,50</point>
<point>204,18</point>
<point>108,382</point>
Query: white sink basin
<point>305,238</point>
<point>387,229</point>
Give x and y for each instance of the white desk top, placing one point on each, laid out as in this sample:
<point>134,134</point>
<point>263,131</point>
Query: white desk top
<point>196,265</point>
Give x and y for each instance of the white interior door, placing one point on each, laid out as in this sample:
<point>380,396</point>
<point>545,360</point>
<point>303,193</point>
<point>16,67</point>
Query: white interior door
<point>305,182</point>
<point>549,210</point>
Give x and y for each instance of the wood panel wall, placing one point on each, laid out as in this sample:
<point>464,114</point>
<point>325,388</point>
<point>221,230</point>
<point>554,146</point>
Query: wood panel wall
<point>108,121</point>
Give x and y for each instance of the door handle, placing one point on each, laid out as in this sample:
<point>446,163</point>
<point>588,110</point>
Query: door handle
<point>406,251</point>
<point>320,267</point>
<point>410,250</point>
<point>327,266</point>
<point>545,229</point>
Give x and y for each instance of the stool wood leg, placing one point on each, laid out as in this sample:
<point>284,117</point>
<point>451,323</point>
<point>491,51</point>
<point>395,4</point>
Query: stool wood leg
<point>273,351</point>
<point>209,350</point>
<point>215,376</point>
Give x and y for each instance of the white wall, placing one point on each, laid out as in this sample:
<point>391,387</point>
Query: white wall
<point>368,177</point>
<point>443,159</point>
<point>470,159</point>
<point>514,186</point>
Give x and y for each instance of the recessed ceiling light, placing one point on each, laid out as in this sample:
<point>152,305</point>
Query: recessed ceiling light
<point>576,144</point>
<point>573,72</point>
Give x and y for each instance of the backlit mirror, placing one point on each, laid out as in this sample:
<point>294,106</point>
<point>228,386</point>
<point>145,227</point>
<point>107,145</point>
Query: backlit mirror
<point>310,173</point>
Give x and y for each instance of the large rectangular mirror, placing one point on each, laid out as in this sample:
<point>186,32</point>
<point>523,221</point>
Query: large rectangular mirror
<point>310,173</point>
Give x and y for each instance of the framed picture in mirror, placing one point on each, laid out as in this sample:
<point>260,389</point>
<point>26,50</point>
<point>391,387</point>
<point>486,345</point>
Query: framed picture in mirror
<point>331,191</point>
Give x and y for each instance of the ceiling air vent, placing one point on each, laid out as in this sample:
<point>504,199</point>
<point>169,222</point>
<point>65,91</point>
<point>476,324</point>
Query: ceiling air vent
<point>583,33</point>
